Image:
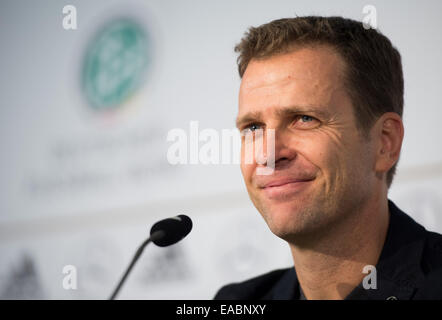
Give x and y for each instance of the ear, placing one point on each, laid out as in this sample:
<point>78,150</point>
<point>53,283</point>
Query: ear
<point>389,132</point>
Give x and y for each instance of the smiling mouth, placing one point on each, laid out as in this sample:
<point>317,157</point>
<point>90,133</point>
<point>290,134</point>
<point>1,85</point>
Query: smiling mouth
<point>283,182</point>
<point>279,189</point>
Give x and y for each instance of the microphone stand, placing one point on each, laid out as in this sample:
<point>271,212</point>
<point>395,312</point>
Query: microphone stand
<point>153,237</point>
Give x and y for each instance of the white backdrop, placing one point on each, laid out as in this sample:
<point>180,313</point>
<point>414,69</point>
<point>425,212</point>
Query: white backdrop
<point>82,187</point>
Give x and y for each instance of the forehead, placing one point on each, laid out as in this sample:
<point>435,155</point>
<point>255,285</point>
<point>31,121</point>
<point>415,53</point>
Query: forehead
<point>305,76</point>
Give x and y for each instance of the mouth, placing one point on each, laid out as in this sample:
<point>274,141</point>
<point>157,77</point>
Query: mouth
<point>285,187</point>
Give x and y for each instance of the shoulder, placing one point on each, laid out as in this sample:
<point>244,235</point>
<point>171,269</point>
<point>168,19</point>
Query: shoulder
<point>432,254</point>
<point>415,240</point>
<point>255,288</point>
<point>431,264</point>
<point>433,248</point>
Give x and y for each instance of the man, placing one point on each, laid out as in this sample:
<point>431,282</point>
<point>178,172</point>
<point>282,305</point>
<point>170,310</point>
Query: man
<point>332,91</point>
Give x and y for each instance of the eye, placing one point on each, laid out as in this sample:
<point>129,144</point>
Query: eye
<point>252,130</point>
<point>305,118</point>
<point>305,122</point>
<point>252,127</point>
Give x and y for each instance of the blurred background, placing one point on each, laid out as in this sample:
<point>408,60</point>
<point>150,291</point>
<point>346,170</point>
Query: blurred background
<point>84,117</point>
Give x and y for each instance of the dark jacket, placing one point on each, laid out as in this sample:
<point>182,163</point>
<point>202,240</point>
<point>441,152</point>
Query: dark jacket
<point>410,267</point>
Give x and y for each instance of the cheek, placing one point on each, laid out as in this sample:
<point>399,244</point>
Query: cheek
<point>247,172</point>
<point>316,150</point>
<point>343,162</point>
<point>326,153</point>
<point>247,164</point>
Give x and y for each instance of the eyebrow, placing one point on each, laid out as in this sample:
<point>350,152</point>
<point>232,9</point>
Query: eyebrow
<point>282,113</point>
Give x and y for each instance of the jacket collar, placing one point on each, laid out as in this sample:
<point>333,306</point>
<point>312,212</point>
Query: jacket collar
<point>399,267</point>
<point>398,270</point>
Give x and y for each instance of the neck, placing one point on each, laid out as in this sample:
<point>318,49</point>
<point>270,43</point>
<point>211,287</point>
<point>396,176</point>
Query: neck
<point>330,266</point>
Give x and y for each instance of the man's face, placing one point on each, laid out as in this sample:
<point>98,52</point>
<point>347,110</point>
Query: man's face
<point>324,168</point>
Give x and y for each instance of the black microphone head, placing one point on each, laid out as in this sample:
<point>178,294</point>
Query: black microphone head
<point>171,230</point>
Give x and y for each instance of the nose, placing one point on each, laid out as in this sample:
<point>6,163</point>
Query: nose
<point>282,153</point>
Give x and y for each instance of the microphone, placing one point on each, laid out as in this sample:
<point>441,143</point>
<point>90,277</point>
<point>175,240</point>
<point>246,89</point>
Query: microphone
<point>172,229</point>
<point>163,233</point>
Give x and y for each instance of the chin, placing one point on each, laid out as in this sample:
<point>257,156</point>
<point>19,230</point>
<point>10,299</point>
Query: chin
<point>290,216</point>
<point>286,219</point>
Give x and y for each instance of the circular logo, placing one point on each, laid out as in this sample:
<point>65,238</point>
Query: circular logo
<point>115,64</point>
